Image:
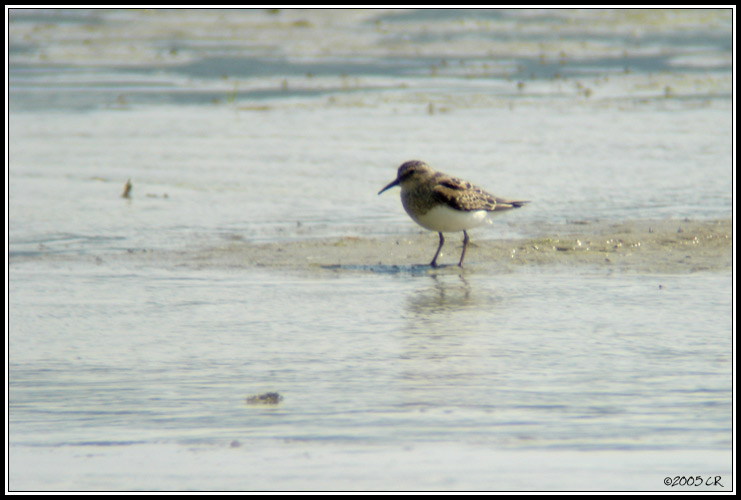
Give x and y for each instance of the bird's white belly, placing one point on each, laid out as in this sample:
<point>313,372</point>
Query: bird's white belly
<point>444,219</point>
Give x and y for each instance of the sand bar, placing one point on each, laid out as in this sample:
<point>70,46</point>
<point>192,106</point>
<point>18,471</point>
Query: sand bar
<point>659,246</point>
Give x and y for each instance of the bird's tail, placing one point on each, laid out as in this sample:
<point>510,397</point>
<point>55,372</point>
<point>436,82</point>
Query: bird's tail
<point>503,204</point>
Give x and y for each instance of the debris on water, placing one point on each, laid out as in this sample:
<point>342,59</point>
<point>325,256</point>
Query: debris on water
<point>127,190</point>
<point>268,398</point>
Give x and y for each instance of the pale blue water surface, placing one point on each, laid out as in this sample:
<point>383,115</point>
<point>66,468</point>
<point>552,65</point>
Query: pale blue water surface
<point>129,371</point>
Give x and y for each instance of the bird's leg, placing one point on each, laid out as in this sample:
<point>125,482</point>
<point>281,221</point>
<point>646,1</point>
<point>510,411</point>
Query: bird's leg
<point>465,244</point>
<point>434,259</point>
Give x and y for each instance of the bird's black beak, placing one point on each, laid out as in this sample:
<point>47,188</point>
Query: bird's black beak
<point>392,184</point>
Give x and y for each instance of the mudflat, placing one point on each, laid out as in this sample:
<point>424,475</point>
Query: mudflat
<point>658,246</point>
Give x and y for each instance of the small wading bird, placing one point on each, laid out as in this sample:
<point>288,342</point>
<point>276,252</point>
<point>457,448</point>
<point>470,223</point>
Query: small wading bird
<point>445,204</point>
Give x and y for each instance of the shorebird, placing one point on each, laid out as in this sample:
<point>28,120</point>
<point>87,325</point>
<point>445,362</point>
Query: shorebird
<point>445,204</point>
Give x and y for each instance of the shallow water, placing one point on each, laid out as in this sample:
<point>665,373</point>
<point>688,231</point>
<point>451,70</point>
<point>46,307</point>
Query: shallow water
<point>108,358</point>
<point>131,343</point>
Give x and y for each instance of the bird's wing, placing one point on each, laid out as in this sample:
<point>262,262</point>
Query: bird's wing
<point>462,195</point>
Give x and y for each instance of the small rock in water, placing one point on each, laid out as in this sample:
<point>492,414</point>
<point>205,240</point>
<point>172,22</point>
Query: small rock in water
<point>269,398</point>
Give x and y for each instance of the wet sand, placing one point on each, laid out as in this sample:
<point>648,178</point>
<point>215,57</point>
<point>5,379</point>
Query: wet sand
<point>650,247</point>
